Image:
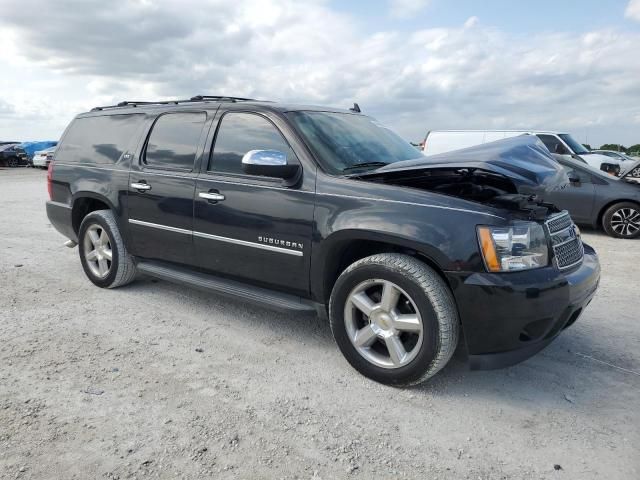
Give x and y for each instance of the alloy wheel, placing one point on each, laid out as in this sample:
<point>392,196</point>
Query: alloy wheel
<point>625,221</point>
<point>383,323</point>
<point>97,250</point>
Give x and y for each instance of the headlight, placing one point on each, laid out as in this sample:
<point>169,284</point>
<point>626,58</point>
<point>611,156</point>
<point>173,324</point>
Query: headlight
<point>520,246</point>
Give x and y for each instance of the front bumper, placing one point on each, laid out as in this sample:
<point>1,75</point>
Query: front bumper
<point>508,317</point>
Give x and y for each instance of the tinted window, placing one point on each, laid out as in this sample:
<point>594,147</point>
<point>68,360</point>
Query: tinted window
<point>240,132</point>
<point>99,140</point>
<point>174,140</point>
<point>346,143</point>
<point>553,144</point>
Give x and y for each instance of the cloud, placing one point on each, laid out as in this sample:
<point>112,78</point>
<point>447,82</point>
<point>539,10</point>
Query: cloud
<point>471,76</point>
<point>407,8</point>
<point>633,10</point>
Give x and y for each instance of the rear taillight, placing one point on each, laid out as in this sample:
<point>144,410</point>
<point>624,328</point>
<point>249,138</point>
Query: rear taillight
<point>49,180</point>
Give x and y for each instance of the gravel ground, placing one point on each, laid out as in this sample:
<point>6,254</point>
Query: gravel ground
<point>160,381</point>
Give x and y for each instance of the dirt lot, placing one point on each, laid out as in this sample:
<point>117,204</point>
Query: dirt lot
<point>155,380</point>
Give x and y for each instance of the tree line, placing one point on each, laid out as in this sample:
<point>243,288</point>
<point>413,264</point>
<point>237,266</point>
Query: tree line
<point>617,148</point>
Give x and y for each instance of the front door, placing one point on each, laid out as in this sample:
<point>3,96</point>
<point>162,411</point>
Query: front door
<point>161,187</point>
<point>577,197</point>
<point>253,228</point>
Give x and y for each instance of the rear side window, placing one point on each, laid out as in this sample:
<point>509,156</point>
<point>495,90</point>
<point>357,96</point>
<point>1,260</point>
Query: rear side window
<point>239,133</point>
<point>99,140</point>
<point>174,140</point>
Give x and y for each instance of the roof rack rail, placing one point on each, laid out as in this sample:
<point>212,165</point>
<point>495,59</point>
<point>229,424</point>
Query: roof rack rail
<point>196,98</point>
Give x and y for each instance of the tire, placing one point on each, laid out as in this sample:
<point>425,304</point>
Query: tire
<point>121,269</point>
<point>13,162</point>
<point>419,294</point>
<point>622,220</point>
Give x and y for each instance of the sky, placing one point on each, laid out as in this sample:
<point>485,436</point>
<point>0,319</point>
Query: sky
<point>415,65</point>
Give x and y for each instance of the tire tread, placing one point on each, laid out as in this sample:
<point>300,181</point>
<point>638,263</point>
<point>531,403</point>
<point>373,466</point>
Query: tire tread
<point>438,294</point>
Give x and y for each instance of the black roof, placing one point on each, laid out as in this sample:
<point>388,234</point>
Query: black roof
<point>211,101</point>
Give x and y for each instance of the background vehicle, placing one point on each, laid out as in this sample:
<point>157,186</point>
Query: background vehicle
<point>12,155</point>
<point>30,148</point>
<point>42,158</point>
<point>600,200</point>
<point>312,208</point>
<point>634,172</point>
<point>440,141</point>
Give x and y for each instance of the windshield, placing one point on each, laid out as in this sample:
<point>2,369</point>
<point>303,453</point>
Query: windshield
<point>574,145</point>
<point>346,143</point>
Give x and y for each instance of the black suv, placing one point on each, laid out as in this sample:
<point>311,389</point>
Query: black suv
<point>309,208</point>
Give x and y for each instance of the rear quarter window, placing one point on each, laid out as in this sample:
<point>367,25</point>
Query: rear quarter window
<point>99,140</point>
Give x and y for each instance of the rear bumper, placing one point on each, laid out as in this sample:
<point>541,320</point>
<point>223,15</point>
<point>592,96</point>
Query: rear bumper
<point>60,217</point>
<point>509,317</point>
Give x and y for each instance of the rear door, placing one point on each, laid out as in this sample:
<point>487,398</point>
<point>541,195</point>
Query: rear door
<point>260,229</point>
<point>161,187</point>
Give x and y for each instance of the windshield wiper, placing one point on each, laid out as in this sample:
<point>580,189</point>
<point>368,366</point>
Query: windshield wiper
<point>364,165</point>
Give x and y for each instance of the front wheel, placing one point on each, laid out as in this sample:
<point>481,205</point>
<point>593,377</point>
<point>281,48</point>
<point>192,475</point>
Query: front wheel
<point>622,220</point>
<point>103,255</point>
<point>394,319</point>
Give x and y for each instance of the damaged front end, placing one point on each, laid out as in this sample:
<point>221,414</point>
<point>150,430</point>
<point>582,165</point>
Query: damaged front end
<point>516,174</point>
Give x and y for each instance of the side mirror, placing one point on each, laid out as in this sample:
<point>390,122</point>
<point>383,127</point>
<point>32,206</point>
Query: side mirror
<point>269,163</point>
<point>560,150</point>
<point>610,168</point>
<point>573,177</point>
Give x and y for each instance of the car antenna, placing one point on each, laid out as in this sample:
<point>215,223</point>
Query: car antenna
<point>355,108</point>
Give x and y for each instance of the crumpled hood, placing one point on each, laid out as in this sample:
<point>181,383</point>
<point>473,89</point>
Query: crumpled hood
<point>524,160</point>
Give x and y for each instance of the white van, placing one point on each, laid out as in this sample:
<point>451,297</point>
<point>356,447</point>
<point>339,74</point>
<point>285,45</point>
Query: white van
<point>441,141</point>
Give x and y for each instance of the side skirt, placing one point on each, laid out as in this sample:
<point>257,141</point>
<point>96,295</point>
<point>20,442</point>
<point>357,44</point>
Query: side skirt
<point>203,281</point>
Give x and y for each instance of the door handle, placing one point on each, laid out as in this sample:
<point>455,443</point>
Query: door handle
<point>211,196</point>
<point>141,186</point>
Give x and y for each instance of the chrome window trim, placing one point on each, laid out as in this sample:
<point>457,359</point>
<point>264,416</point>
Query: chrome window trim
<point>208,236</point>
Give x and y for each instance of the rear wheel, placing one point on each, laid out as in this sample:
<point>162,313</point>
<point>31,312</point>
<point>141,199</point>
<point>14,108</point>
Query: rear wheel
<point>622,220</point>
<point>103,255</point>
<point>394,319</point>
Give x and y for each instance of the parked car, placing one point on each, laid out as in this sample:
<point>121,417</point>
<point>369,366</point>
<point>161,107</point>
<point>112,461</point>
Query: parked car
<point>31,148</point>
<point>634,173</point>
<point>42,158</point>
<point>11,155</point>
<point>314,208</point>
<point>441,141</point>
<point>600,200</point>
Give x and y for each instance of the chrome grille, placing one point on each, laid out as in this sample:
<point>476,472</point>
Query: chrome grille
<point>566,243</point>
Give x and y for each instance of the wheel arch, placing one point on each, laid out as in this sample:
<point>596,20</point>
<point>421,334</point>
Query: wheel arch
<point>343,248</point>
<point>84,203</point>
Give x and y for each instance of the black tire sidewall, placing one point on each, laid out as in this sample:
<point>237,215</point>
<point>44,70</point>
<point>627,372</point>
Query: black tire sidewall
<point>428,351</point>
<point>89,220</point>
<point>608,214</point>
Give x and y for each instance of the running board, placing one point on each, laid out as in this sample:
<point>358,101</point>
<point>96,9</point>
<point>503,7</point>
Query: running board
<point>203,281</point>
